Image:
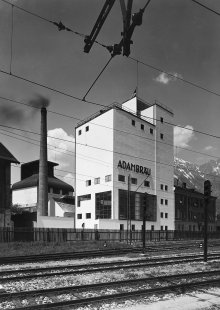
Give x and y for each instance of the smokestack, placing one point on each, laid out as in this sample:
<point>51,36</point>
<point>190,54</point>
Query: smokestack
<point>43,174</point>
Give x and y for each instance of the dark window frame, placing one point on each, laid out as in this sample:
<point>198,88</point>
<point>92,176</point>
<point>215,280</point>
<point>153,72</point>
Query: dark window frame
<point>134,181</point>
<point>88,216</point>
<point>122,177</point>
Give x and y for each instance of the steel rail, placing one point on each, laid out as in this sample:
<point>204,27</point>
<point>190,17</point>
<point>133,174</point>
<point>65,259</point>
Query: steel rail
<point>102,267</point>
<point>170,286</point>
<point>95,267</point>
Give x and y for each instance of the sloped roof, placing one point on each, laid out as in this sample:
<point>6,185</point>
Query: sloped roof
<point>6,155</point>
<point>66,207</point>
<point>34,180</point>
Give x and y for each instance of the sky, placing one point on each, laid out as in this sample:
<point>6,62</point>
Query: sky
<point>177,37</point>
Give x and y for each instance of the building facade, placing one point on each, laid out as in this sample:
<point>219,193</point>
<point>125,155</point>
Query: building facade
<point>122,153</point>
<point>25,194</point>
<point>6,159</point>
<point>189,210</point>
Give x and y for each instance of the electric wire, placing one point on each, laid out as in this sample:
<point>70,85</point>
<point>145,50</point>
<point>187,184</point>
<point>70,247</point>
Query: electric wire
<point>175,76</point>
<point>120,131</point>
<point>50,88</point>
<point>206,7</point>
<point>97,78</point>
<point>94,103</point>
<point>143,63</point>
<point>60,25</point>
<point>12,32</point>
<point>127,132</point>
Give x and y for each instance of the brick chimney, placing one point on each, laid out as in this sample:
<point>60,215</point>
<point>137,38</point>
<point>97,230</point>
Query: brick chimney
<point>43,171</point>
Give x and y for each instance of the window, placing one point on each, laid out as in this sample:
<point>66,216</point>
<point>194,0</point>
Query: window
<point>133,122</point>
<point>166,215</point>
<point>161,227</point>
<point>133,227</point>
<point>142,126</point>
<point>152,227</point>
<point>161,186</point>
<point>88,215</point>
<point>108,178</point>
<point>82,198</point>
<point>166,227</point>
<point>79,216</point>
<point>56,190</point>
<point>87,128</point>
<point>88,182</point>
<point>103,204</point>
<point>136,203</point>
<point>166,202</point>
<point>121,226</point>
<point>161,201</point>
<point>133,181</point>
<point>161,119</point>
<point>161,136</point>
<point>79,132</point>
<point>121,178</point>
<point>161,214</point>
<point>166,187</point>
<point>97,181</point>
<point>151,131</point>
<point>146,183</point>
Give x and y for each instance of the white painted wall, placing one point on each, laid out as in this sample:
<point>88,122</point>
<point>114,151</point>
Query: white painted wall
<point>27,196</point>
<point>131,144</point>
<point>148,115</point>
<point>130,105</point>
<point>54,222</point>
<point>94,158</point>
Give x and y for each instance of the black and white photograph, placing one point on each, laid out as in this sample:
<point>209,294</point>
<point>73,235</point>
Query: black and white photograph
<point>110,154</point>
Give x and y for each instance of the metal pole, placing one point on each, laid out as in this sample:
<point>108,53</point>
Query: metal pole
<point>144,220</point>
<point>205,228</point>
<point>128,208</point>
<point>207,194</point>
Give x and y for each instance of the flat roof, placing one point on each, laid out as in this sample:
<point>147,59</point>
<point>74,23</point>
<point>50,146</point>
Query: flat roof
<point>142,104</point>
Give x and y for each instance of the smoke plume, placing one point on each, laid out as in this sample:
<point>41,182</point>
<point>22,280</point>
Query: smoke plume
<point>39,102</point>
<point>9,114</point>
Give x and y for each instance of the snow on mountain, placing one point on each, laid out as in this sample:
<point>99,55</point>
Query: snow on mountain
<point>195,175</point>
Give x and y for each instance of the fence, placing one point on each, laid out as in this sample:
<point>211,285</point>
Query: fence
<point>65,235</point>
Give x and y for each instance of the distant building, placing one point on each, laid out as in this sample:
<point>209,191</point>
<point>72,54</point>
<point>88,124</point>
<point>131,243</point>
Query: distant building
<point>125,149</point>
<point>189,210</point>
<point>6,159</point>
<point>25,195</point>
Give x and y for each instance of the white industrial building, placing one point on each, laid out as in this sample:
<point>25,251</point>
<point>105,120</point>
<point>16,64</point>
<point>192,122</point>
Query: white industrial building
<point>125,151</point>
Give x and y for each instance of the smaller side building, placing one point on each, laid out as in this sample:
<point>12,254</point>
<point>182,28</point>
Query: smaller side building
<point>6,159</point>
<point>189,210</point>
<point>61,203</point>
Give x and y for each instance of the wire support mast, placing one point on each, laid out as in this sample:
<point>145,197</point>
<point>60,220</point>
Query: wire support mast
<point>84,98</point>
<point>89,40</point>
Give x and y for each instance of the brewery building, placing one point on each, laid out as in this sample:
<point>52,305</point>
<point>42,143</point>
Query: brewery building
<point>124,159</point>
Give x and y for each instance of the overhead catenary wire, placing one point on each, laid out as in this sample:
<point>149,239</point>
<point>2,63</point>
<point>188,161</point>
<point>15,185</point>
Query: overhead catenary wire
<point>60,25</point>
<point>12,33</point>
<point>122,131</point>
<point>107,150</point>
<point>206,7</point>
<point>97,78</point>
<point>141,62</point>
<point>177,77</point>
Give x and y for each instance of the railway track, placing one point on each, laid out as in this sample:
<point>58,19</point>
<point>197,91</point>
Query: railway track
<point>163,246</point>
<point>100,292</point>
<point>52,271</point>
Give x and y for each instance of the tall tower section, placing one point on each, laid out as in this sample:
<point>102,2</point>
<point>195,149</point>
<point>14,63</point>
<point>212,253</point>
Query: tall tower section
<point>164,169</point>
